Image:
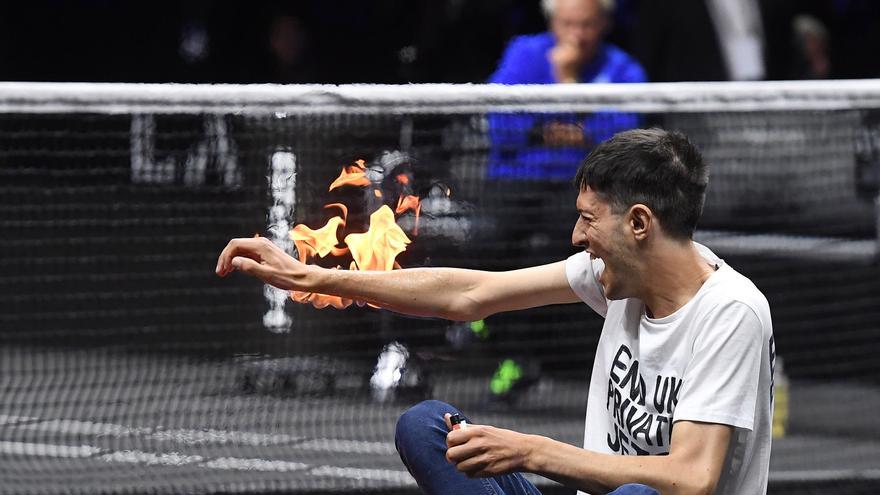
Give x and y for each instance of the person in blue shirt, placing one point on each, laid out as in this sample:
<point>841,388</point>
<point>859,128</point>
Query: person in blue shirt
<point>550,146</point>
<point>533,156</point>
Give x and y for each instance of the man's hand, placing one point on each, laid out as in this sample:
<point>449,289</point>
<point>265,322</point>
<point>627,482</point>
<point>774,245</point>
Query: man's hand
<point>261,258</point>
<point>567,60</point>
<point>485,451</point>
<point>563,134</point>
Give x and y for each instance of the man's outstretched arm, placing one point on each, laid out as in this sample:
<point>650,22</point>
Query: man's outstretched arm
<point>452,293</point>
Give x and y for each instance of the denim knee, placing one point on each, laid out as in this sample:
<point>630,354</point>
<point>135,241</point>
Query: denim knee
<point>420,438</point>
<point>418,419</point>
<point>634,489</point>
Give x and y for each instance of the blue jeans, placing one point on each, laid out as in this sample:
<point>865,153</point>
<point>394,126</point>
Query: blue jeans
<point>421,443</point>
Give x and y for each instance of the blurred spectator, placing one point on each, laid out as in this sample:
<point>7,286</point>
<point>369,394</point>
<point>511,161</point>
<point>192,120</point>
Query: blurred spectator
<point>288,45</point>
<point>191,27</point>
<point>551,146</point>
<point>532,157</point>
<point>811,42</point>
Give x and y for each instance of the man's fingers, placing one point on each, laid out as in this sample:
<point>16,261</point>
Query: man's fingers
<point>224,261</point>
<point>567,52</point>
<point>473,467</point>
<point>250,267</point>
<point>259,257</point>
<point>460,447</point>
<point>235,247</point>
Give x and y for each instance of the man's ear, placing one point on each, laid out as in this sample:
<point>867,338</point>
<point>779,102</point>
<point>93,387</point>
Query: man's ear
<point>641,221</point>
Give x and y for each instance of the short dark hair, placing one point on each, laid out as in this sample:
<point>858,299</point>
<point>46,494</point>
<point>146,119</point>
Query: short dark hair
<point>660,169</point>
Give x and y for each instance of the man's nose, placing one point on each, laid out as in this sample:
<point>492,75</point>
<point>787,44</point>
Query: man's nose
<point>578,238</point>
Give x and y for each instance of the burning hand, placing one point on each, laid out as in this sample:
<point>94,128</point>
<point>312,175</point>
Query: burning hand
<point>261,258</point>
<point>485,451</point>
<point>373,250</point>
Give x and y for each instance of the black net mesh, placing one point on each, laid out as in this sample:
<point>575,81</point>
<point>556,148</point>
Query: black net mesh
<point>127,366</point>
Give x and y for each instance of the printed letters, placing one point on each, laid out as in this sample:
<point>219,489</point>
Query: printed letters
<point>635,426</point>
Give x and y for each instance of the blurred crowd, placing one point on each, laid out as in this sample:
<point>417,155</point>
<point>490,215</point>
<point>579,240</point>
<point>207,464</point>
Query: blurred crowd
<point>397,41</point>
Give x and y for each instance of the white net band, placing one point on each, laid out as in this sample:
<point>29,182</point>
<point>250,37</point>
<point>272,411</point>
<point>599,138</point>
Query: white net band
<point>435,98</point>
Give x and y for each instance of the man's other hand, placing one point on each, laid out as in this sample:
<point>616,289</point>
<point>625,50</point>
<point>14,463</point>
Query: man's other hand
<point>566,59</point>
<point>481,451</point>
<point>563,134</point>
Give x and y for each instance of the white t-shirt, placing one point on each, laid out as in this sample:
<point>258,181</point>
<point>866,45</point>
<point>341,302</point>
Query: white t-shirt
<point>710,361</point>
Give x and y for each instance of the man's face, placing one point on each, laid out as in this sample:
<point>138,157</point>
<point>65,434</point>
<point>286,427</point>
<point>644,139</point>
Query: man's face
<point>580,24</point>
<point>602,233</point>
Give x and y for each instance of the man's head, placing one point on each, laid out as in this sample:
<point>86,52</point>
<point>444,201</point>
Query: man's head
<point>659,169</point>
<point>639,190</point>
<point>579,23</point>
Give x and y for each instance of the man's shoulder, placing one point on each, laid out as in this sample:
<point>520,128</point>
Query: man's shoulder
<point>727,286</point>
<point>525,61</point>
<point>531,42</point>
<point>732,287</point>
<point>623,63</point>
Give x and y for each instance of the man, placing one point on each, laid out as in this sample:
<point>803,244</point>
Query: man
<point>549,146</point>
<point>687,341</point>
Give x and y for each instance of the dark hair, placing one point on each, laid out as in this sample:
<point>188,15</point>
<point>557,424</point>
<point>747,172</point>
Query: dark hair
<point>660,169</point>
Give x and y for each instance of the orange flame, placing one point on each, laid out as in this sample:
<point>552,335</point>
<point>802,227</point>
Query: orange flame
<point>320,301</point>
<point>340,206</point>
<point>321,242</point>
<point>352,175</point>
<point>407,203</point>
<point>376,248</point>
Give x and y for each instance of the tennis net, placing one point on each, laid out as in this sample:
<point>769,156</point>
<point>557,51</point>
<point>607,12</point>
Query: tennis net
<point>128,366</point>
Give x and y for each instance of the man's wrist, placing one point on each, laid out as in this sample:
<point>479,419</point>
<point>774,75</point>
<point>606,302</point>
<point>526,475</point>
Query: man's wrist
<point>567,73</point>
<point>534,457</point>
<point>310,279</point>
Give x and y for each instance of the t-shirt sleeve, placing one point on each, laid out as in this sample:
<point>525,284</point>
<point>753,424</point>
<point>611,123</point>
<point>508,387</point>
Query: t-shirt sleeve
<point>583,277</point>
<point>721,381</point>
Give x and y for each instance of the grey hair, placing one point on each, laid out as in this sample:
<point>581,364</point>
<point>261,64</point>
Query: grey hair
<point>806,25</point>
<point>607,7</point>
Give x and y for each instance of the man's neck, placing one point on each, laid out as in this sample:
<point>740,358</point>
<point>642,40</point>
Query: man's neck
<point>674,274</point>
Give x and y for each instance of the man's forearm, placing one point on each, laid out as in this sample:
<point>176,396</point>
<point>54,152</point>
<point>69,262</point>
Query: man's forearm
<point>601,473</point>
<point>433,292</point>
